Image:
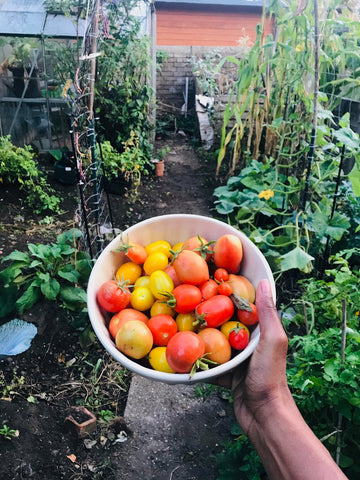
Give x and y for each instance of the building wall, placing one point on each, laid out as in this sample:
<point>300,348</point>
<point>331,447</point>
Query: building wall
<point>208,26</point>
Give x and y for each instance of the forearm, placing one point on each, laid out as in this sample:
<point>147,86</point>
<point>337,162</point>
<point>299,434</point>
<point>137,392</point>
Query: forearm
<point>289,449</point>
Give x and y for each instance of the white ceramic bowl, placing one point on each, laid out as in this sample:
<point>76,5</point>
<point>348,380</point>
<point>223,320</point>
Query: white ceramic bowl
<point>174,229</point>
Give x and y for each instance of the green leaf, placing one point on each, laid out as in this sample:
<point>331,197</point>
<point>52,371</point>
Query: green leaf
<point>7,300</point>
<point>17,256</point>
<point>72,276</point>
<point>50,289</point>
<point>347,137</point>
<point>9,274</point>
<point>334,227</point>
<point>73,294</point>
<point>27,300</point>
<point>68,237</point>
<point>296,258</point>
<point>354,177</point>
<point>331,368</point>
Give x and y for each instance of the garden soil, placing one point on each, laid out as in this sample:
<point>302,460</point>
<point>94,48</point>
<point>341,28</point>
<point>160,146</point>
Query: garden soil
<point>159,431</point>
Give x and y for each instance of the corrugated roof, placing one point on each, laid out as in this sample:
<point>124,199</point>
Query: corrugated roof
<point>28,18</point>
<point>235,3</point>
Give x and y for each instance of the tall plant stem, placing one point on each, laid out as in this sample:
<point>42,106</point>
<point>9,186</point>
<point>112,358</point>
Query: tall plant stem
<point>343,345</point>
<point>315,103</point>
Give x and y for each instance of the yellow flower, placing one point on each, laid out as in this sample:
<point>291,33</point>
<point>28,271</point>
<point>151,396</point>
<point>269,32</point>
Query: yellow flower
<point>266,194</point>
<point>357,313</point>
<point>300,48</point>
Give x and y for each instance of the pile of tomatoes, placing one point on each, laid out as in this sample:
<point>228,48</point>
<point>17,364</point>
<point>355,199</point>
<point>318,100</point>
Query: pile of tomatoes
<point>183,307</point>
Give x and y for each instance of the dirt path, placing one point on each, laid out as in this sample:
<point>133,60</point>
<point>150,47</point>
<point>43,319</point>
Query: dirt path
<point>171,434</point>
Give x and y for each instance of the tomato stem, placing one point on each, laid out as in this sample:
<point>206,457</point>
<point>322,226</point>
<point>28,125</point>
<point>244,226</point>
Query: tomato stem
<point>241,303</point>
<point>201,363</point>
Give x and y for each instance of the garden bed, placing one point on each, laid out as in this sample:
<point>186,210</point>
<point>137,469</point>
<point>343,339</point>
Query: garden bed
<point>66,367</point>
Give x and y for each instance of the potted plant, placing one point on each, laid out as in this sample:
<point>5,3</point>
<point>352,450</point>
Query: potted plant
<point>160,160</point>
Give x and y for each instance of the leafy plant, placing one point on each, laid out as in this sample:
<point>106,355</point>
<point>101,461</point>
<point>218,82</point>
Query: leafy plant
<point>324,362</point>
<point>8,432</point>
<point>17,166</point>
<point>53,272</point>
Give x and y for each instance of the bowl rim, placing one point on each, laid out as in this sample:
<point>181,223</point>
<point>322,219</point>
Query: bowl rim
<point>132,365</point>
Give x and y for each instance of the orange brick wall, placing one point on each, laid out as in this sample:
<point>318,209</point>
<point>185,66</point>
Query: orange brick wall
<point>199,26</point>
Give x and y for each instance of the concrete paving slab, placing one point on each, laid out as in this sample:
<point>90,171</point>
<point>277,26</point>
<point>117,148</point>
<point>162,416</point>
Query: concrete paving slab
<point>173,434</point>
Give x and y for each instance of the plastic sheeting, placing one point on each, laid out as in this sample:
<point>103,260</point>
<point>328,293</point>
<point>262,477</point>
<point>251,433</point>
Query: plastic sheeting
<point>28,18</point>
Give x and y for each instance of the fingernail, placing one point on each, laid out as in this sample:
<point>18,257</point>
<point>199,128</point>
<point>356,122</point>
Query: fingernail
<point>265,288</point>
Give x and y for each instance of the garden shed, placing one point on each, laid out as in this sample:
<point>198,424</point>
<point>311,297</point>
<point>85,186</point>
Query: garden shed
<point>32,108</point>
<point>200,29</point>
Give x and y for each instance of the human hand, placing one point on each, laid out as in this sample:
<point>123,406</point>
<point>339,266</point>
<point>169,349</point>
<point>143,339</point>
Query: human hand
<point>258,384</point>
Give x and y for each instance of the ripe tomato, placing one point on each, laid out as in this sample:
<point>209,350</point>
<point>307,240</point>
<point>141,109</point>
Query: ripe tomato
<point>184,350</point>
<point>155,261</point>
<point>199,245</point>
<point>157,359</point>
<point>215,311</point>
<point>161,307</point>
<point>134,251</point>
<point>134,339</point>
<point>228,253</point>
<point>242,287</point>
<point>162,327</point>
<point>208,289</point>
<point>221,275</point>
<point>160,283</point>
<point>227,327</point>
<point>118,320</point>
<point>113,296</point>
<point>159,246</point>
<point>185,321</point>
<point>239,337</point>
<point>217,345</point>
<point>184,298</point>
<point>191,268</point>
<point>129,271</point>
<point>225,288</point>
<point>142,299</point>
<point>248,317</point>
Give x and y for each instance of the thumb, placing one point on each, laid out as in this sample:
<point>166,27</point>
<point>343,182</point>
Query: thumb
<point>269,321</point>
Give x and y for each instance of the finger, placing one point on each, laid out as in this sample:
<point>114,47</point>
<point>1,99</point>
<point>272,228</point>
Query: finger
<point>269,320</point>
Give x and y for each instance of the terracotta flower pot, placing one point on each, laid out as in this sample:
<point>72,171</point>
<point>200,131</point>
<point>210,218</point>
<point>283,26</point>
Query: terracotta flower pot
<point>83,423</point>
<point>159,168</point>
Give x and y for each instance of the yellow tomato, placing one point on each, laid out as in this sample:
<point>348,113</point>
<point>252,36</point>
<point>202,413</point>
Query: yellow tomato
<point>129,271</point>
<point>160,283</point>
<point>184,321</point>
<point>157,359</point>
<point>134,339</point>
<point>231,325</point>
<point>159,246</point>
<point>155,261</point>
<point>143,281</point>
<point>159,307</point>
<point>142,299</point>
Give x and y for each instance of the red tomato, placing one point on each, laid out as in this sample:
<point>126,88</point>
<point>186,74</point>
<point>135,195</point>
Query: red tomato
<point>118,320</point>
<point>239,337</point>
<point>184,298</point>
<point>208,289</point>
<point>217,345</point>
<point>228,253</point>
<point>113,296</point>
<point>199,245</point>
<point>215,311</point>
<point>162,327</point>
<point>191,268</point>
<point>221,275</point>
<point>248,317</point>
<point>184,350</point>
<point>134,251</point>
<point>225,288</point>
